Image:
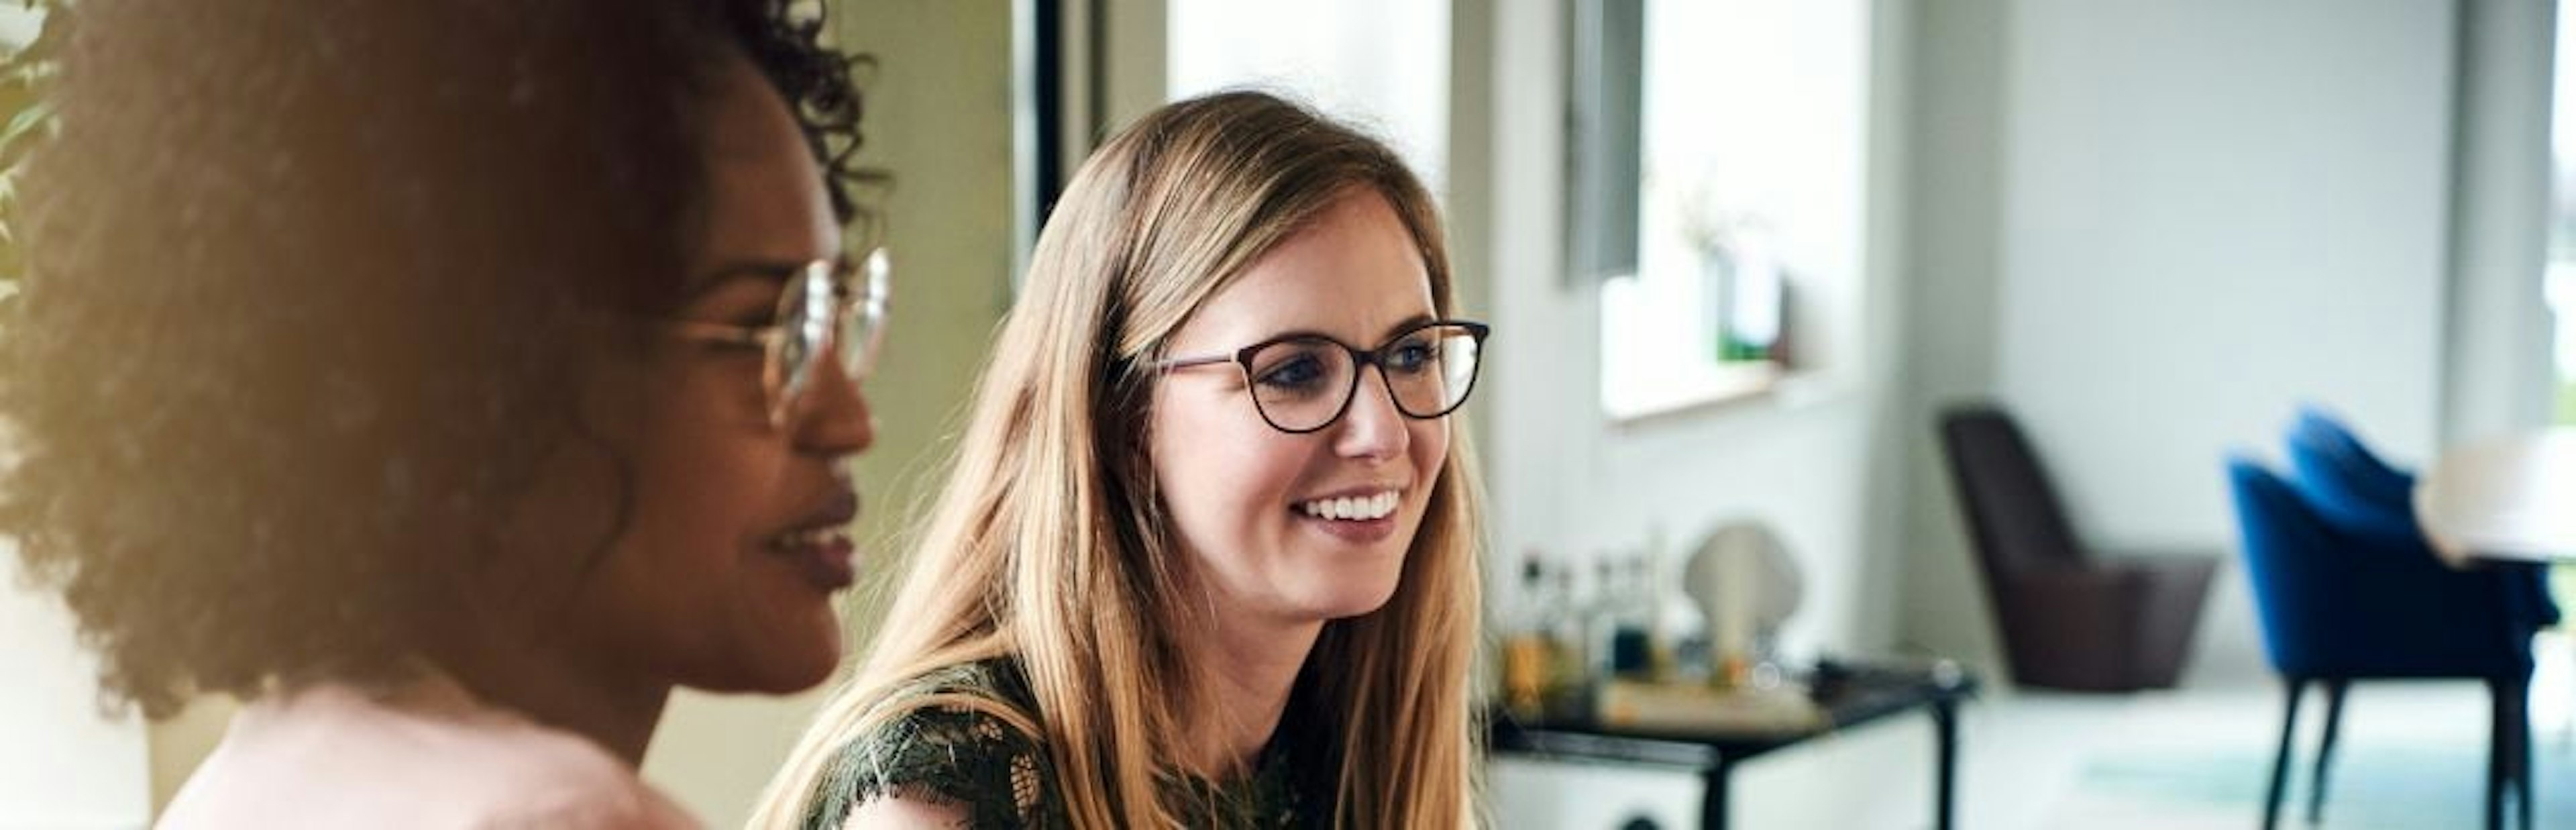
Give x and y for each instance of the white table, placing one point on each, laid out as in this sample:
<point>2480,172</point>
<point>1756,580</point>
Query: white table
<point>2511,499</point>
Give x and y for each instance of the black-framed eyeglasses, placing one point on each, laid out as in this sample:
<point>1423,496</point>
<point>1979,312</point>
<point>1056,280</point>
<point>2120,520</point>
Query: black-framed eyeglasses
<point>828,305</point>
<point>1304,382</point>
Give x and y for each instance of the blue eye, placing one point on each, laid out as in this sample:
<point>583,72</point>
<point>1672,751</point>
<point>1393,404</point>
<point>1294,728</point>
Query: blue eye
<point>1301,372</point>
<point>1300,369</point>
<point>1411,357</point>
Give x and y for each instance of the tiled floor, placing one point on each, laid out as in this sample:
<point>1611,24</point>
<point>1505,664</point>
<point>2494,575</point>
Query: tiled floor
<point>2411,755</point>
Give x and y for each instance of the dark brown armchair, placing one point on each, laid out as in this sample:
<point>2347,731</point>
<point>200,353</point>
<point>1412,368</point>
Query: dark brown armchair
<point>2070,620</point>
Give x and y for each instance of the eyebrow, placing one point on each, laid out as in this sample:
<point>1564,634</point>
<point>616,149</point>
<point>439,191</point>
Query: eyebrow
<point>1406,323</point>
<point>1400,325</point>
<point>1322,336</point>
<point>772,270</point>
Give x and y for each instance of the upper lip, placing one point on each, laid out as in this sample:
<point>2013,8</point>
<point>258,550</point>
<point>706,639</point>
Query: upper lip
<point>1360,491</point>
<point>838,507</point>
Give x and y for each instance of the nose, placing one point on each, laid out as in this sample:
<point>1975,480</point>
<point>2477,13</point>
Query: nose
<point>834,419</point>
<point>1372,428</point>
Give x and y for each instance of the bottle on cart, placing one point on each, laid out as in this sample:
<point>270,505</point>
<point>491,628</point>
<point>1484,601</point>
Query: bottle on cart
<point>1569,688</point>
<point>1630,620</point>
<point>1529,647</point>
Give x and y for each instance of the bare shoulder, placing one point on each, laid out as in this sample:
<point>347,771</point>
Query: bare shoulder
<point>346,757</point>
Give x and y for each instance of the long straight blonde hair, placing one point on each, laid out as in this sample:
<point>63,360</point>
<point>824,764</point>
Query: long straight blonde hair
<point>1048,545</point>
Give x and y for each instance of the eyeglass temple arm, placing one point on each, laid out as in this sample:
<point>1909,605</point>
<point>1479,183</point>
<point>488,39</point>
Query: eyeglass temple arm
<point>1363,357</point>
<point>1187,362</point>
<point>721,333</point>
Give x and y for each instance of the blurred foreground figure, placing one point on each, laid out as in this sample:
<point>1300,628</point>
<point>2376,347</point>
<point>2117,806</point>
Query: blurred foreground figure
<point>449,381</point>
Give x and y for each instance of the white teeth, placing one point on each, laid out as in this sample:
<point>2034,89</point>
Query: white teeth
<point>810,538</point>
<point>1349,508</point>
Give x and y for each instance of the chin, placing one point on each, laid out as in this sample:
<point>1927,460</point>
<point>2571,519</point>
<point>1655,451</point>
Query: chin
<point>1355,600</point>
<point>779,668</point>
<point>1356,590</point>
<point>779,680</point>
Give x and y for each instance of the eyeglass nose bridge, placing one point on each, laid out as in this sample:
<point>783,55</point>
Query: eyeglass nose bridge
<point>1361,361</point>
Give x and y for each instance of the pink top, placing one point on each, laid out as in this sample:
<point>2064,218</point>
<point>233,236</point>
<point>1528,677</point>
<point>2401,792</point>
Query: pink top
<point>425,756</point>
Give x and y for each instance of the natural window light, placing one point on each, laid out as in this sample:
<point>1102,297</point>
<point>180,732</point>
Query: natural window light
<point>1382,66</point>
<point>1754,145</point>
<point>2559,287</point>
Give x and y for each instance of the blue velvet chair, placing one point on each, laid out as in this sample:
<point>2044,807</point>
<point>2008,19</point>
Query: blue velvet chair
<point>2361,494</point>
<point>2338,605</point>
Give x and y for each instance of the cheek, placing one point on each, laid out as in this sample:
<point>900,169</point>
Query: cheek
<point>699,495</point>
<point>1220,477</point>
<point>1429,448</point>
<point>705,480</point>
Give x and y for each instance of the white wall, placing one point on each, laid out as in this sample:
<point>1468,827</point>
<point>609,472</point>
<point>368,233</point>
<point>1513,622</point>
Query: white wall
<point>1956,73</point>
<point>2199,213</point>
<point>62,765</point>
<point>1569,481</point>
<point>1381,66</point>
<point>2499,371</point>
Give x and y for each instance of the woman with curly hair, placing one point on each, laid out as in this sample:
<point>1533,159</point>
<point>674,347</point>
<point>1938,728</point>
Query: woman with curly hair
<point>1207,555</point>
<point>448,380</point>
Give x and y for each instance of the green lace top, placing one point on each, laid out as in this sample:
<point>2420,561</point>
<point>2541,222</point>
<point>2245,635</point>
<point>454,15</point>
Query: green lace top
<point>1004,779</point>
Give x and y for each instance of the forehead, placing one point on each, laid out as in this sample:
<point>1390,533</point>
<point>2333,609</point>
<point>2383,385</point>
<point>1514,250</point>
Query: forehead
<point>765,199</point>
<point>1353,273</point>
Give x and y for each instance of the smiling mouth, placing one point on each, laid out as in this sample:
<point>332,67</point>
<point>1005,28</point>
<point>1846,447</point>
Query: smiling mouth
<point>1359,508</point>
<point>810,539</point>
<point>824,556</point>
<point>821,547</point>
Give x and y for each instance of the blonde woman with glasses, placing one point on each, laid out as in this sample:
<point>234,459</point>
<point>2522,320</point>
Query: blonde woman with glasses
<point>1207,557</point>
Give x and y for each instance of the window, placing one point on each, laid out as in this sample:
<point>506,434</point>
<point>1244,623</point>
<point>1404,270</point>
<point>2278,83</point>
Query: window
<point>1381,66</point>
<point>2559,285</point>
<point>1752,134</point>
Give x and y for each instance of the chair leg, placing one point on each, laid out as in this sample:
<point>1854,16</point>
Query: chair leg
<point>2519,697</point>
<point>2281,762</point>
<point>2325,749</point>
<point>2501,753</point>
<point>2567,634</point>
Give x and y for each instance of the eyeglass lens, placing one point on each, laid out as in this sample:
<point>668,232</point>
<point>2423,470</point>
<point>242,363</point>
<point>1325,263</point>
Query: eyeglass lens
<point>825,308</point>
<point>1302,384</point>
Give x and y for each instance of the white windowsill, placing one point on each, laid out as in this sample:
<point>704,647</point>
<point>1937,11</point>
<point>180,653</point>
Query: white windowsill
<point>1727,387</point>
